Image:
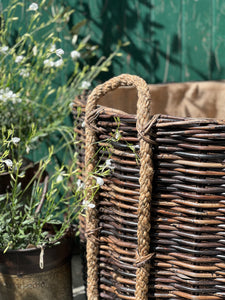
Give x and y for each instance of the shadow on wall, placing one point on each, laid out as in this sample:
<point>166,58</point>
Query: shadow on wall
<point>127,21</point>
<point>161,38</point>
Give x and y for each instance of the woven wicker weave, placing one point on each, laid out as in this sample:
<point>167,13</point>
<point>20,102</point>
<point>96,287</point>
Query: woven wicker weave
<point>160,238</point>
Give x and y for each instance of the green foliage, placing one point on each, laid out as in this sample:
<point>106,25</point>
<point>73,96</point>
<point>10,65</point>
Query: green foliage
<point>35,104</point>
<point>52,196</point>
<point>25,211</point>
<point>32,63</point>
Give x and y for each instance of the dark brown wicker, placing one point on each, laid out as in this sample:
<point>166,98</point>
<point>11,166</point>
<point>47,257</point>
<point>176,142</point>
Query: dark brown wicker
<point>187,235</point>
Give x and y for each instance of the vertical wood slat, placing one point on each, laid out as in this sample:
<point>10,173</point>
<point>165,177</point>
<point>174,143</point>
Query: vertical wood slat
<point>197,31</point>
<point>218,40</point>
<point>170,40</point>
<point>168,35</point>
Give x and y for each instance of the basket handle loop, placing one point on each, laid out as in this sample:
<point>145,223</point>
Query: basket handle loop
<point>146,176</point>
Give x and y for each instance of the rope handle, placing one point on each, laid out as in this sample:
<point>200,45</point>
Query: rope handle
<point>145,180</point>
<point>143,94</point>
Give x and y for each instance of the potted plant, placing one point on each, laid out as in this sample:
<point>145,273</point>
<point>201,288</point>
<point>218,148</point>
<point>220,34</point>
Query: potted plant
<point>36,235</point>
<point>35,107</point>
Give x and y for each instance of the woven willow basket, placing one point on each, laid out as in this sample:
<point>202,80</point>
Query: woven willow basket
<point>157,230</point>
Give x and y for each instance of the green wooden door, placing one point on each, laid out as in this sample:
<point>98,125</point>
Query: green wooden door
<point>170,40</point>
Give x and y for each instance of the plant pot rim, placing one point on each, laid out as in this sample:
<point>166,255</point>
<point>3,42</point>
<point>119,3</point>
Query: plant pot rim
<point>27,261</point>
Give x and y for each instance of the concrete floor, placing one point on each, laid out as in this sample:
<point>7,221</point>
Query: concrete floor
<point>77,278</point>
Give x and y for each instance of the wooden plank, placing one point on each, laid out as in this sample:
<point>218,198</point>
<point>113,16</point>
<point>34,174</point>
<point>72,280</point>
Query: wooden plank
<point>217,63</point>
<point>170,40</point>
<point>166,40</point>
<point>196,39</point>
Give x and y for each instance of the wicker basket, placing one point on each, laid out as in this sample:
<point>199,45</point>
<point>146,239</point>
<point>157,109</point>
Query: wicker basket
<point>158,226</point>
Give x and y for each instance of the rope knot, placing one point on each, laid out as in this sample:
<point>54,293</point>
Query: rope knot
<point>142,260</point>
<point>142,132</point>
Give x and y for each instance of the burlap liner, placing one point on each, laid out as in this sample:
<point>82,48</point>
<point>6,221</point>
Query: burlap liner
<point>190,99</point>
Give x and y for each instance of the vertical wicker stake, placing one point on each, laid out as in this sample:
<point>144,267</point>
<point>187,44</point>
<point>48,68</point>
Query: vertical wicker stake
<point>146,175</point>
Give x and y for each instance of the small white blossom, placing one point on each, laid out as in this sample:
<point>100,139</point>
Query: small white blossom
<point>88,204</point>
<point>59,178</point>
<point>34,50</point>
<point>91,205</point>
<point>52,48</point>
<point>108,164</point>
<point>58,63</point>
<point>99,181</point>
<point>83,124</point>
<point>8,163</point>
<point>59,52</point>
<point>48,63</point>
<point>24,73</point>
<point>74,39</point>
<point>75,54</point>
<point>27,149</point>
<point>15,140</point>
<point>118,135</point>
<point>85,84</point>
<point>8,95</point>
<point>33,6</point>
<point>80,184</point>
<point>19,59</point>
<point>4,49</point>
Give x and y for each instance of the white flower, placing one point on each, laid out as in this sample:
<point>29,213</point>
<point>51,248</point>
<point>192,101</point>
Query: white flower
<point>80,184</point>
<point>34,50</point>
<point>24,73</point>
<point>88,204</point>
<point>108,163</point>
<point>33,6</point>
<point>15,140</point>
<point>4,49</point>
<point>118,135</point>
<point>99,181</point>
<point>71,105</point>
<point>58,63</point>
<point>27,149</point>
<point>59,52</point>
<point>8,95</point>
<point>83,124</point>
<point>85,84</point>
<point>74,39</point>
<point>91,205</point>
<point>49,63</point>
<point>19,58</point>
<point>59,178</point>
<point>75,54</point>
<point>52,48</point>
<point>8,163</point>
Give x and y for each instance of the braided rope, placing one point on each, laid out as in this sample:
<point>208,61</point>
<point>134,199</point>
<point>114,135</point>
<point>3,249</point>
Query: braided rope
<point>146,175</point>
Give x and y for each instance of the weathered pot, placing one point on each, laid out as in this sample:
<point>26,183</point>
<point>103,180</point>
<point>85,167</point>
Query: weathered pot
<point>22,278</point>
